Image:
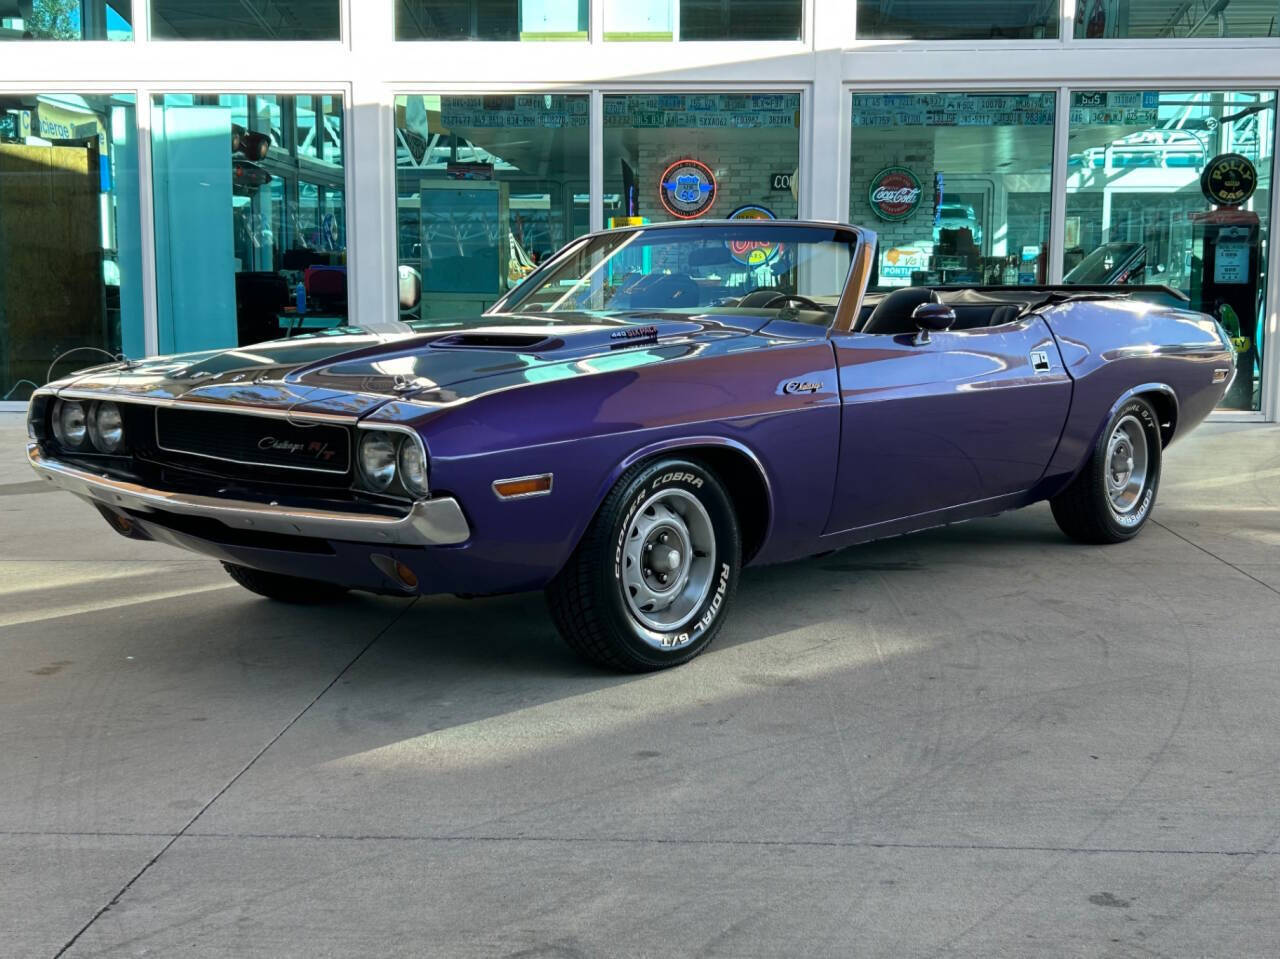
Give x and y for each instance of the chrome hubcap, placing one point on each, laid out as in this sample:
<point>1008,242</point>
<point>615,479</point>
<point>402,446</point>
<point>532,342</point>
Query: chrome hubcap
<point>669,553</point>
<point>1126,465</point>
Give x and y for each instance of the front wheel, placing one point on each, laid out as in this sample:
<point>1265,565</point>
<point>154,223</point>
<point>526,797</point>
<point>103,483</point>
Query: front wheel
<point>649,584</point>
<point>1112,498</point>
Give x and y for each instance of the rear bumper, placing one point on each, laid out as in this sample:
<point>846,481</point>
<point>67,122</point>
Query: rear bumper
<point>430,522</point>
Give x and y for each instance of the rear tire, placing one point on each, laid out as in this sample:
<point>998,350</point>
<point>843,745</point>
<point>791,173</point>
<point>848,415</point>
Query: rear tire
<point>650,583</point>
<point>286,589</point>
<point>1112,498</point>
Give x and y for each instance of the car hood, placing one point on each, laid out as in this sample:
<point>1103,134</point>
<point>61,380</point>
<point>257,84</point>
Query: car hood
<point>352,372</point>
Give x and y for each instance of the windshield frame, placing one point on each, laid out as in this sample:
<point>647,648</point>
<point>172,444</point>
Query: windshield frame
<point>858,239</point>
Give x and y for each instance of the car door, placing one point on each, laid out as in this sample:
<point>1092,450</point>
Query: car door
<point>970,415</point>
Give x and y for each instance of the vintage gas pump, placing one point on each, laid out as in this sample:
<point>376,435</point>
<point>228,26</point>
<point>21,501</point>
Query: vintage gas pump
<point>1226,261</point>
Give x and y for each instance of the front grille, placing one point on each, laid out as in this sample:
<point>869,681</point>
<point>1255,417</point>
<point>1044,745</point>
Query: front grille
<point>259,441</point>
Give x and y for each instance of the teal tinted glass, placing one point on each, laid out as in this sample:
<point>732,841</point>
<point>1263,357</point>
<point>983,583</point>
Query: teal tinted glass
<point>956,185</point>
<point>66,20</point>
<point>492,19</point>
<point>486,188</point>
<point>250,221</point>
<point>70,238</point>
<point>201,20</point>
<point>1174,188</point>
<point>949,20</point>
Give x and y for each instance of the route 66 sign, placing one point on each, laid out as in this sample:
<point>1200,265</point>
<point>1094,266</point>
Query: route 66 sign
<point>687,189</point>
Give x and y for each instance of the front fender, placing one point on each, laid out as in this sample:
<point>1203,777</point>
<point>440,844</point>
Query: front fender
<point>587,431</point>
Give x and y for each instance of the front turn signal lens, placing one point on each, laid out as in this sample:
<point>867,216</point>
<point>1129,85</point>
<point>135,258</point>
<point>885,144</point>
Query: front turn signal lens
<point>523,486</point>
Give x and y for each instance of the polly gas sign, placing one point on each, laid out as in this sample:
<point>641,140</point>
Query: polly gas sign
<point>895,193</point>
<point>1229,180</point>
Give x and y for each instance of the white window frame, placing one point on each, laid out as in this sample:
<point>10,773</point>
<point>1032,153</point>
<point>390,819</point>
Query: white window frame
<point>368,67</point>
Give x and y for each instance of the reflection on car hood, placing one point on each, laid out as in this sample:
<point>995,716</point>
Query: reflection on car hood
<point>352,372</point>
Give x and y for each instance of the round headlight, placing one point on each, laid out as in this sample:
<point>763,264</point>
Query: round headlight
<point>377,459</point>
<point>106,427</point>
<point>413,466</point>
<point>70,425</point>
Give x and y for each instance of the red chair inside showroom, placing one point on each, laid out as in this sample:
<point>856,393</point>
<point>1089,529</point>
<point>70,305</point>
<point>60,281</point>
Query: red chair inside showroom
<point>326,289</point>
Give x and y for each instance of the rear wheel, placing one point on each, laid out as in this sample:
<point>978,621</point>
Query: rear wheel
<point>649,584</point>
<point>1112,498</point>
<point>286,589</point>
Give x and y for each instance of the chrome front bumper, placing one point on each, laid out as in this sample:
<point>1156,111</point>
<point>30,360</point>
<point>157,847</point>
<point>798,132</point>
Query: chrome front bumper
<point>430,522</point>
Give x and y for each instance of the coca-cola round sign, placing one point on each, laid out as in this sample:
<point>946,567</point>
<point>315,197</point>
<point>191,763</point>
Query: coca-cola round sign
<point>895,193</point>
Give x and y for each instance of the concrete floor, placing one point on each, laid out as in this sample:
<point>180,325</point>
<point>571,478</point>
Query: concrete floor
<point>982,741</point>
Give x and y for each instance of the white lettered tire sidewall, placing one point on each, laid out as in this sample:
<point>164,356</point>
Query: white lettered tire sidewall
<point>669,647</point>
<point>1128,524</point>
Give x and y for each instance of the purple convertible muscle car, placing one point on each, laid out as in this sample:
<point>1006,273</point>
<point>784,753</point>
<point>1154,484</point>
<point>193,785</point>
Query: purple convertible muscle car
<point>649,411</point>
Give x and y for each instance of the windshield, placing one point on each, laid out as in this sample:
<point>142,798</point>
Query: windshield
<point>723,268</point>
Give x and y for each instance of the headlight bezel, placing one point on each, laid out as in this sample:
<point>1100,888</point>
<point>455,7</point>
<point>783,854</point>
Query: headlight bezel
<point>411,448</point>
<point>406,444</point>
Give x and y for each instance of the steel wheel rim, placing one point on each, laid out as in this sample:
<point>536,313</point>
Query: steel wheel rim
<point>1128,462</point>
<point>669,556</point>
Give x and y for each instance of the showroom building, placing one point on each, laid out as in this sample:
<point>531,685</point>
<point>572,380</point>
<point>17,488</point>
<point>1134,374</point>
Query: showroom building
<point>200,174</point>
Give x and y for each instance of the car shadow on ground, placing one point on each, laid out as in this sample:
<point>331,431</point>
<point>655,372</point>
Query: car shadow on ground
<point>447,662</point>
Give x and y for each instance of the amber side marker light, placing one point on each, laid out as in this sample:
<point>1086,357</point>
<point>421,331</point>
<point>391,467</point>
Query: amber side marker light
<point>396,571</point>
<point>406,575</point>
<point>523,486</point>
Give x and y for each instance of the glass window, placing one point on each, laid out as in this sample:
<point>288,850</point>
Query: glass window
<point>66,20</point>
<point>1147,19</point>
<point>492,19</point>
<point>318,128</point>
<point>1174,188</point>
<point>486,187</point>
<point>949,20</point>
<point>250,224</point>
<point>703,19</point>
<point>740,19</point>
<point>956,185</point>
<point>681,156</point>
<point>70,247</point>
<point>201,20</point>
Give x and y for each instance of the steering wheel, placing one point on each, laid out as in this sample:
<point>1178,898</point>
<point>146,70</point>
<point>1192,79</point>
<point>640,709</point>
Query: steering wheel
<point>769,298</point>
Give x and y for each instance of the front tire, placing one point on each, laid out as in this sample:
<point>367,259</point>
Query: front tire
<point>649,585</point>
<point>1112,498</point>
<point>286,589</point>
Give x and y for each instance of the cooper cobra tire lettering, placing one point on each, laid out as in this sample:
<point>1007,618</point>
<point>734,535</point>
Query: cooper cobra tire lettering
<point>611,601</point>
<point>691,479</point>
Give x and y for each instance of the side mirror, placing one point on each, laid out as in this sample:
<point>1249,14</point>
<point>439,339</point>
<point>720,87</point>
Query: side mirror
<point>409,286</point>
<point>936,317</point>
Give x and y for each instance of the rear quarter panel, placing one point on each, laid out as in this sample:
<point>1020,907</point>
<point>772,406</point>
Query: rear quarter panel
<point>587,426</point>
<point>1112,348</point>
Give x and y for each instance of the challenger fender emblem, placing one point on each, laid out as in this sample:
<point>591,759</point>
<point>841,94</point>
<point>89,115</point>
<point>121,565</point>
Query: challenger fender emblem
<point>1040,362</point>
<point>801,386</point>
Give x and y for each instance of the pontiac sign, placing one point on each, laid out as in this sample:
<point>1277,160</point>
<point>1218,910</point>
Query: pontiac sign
<point>894,193</point>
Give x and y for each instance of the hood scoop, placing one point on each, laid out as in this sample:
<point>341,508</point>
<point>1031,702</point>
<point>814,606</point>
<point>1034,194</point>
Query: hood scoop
<point>494,340</point>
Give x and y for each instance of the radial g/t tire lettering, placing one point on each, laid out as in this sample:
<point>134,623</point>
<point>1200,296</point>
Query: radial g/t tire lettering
<point>650,583</point>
